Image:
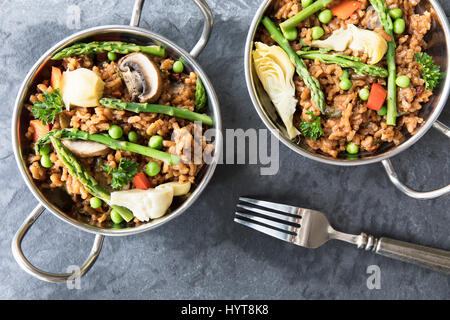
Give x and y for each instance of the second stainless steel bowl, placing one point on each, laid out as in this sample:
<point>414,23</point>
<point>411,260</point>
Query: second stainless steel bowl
<point>438,47</point>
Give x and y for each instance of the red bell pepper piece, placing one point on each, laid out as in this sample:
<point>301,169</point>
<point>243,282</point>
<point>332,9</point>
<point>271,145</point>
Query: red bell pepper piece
<point>39,129</point>
<point>377,97</point>
<point>345,9</point>
<point>56,78</point>
<point>140,181</point>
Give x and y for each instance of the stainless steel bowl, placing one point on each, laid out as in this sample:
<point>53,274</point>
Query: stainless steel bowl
<point>132,34</point>
<point>439,43</point>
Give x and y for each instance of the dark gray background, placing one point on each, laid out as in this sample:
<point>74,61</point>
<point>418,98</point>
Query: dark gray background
<point>203,254</point>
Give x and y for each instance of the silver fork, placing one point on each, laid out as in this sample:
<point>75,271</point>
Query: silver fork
<point>310,229</point>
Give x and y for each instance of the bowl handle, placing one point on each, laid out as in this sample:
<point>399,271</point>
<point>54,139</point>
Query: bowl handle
<point>43,275</point>
<point>207,26</point>
<point>410,192</point>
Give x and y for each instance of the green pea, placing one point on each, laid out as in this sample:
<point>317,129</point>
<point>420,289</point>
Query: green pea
<point>325,16</point>
<point>46,162</point>
<point>364,94</point>
<point>95,203</point>
<point>382,111</point>
<point>291,34</point>
<point>115,132</point>
<point>345,84</point>
<point>403,81</point>
<point>112,56</point>
<point>133,136</point>
<point>152,168</point>
<point>352,148</point>
<point>115,216</point>
<point>178,67</point>
<point>155,142</point>
<point>345,75</point>
<point>396,13</point>
<point>45,149</point>
<point>317,32</point>
<point>306,3</point>
<point>399,26</point>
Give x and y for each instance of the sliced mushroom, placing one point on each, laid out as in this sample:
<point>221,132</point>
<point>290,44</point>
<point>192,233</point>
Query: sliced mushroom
<point>142,77</point>
<point>86,149</point>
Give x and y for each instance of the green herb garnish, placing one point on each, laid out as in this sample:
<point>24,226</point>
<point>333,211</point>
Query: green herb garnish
<point>47,110</point>
<point>124,173</point>
<point>311,129</point>
<point>431,73</point>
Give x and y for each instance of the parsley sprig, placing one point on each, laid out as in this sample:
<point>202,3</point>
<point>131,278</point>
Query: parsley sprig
<point>47,110</point>
<point>431,73</point>
<point>124,173</point>
<point>311,129</point>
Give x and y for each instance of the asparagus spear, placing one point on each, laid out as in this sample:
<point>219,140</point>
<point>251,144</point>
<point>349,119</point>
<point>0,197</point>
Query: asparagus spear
<point>300,66</point>
<point>200,95</point>
<point>289,25</point>
<point>345,62</point>
<point>386,21</point>
<point>109,46</point>
<point>77,171</point>
<point>106,140</point>
<point>156,108</point>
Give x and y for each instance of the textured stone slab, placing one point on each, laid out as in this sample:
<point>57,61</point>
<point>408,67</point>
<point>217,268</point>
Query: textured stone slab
<point>203,254</point>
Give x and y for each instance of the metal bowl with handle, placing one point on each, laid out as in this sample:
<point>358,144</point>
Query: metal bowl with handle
<point>132,34</point>
<point>438,42</point>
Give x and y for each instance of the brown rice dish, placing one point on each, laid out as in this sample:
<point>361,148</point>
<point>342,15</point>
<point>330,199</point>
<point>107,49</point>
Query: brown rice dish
<point>115,126</point>
<point>360,74</point>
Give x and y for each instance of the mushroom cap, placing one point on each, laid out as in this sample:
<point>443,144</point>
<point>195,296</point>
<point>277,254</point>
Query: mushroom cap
<point>142,77</point>
<point>85,149</point>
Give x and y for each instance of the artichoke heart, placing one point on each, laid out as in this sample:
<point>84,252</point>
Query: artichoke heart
<point>82,88</point>
<point>151,203</point>
<point>356,39</point>
<point>276,71</point>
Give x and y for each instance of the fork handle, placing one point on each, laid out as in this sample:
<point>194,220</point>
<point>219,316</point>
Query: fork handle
<point>431,258</point>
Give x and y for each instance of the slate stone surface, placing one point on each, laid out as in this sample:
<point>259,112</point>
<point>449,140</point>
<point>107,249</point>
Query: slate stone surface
<point>203,254</point>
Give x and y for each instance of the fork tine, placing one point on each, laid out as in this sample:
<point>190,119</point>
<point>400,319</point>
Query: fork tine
<point>271,232</point>
<point>271,205</point>
<point>268,222</point>
<point>291,219</point>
